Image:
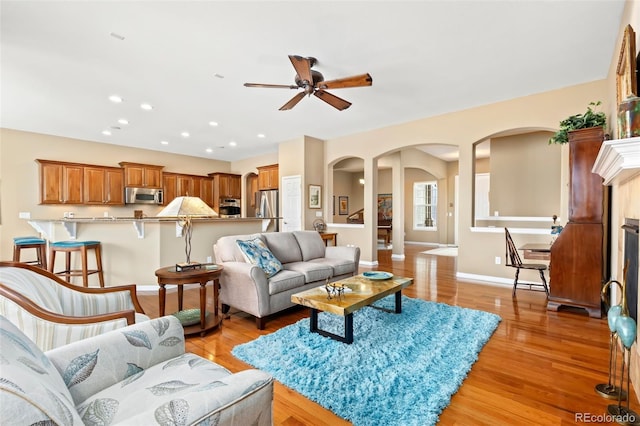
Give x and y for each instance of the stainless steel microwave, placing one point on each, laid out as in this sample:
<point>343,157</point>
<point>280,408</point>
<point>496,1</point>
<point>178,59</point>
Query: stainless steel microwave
<point>143,195</point>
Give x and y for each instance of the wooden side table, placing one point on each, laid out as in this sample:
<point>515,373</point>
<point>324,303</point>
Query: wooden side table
<point>329,236</point>
<point>168,275</point>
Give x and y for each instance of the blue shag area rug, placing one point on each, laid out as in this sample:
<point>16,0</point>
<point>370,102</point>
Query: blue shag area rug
<point>400,370</point>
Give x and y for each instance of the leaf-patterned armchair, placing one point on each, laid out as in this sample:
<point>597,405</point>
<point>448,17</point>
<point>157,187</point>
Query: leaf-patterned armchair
<point>52,312</point>
<point>136,375</point>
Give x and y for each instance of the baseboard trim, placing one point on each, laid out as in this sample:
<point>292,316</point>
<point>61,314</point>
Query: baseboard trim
<point>485,279</point>
<point>368,263</point>
<point>397,256</point>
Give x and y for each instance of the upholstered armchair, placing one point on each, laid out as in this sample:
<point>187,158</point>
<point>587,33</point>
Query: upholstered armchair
<point>52,312</point>
<point>136,375</point>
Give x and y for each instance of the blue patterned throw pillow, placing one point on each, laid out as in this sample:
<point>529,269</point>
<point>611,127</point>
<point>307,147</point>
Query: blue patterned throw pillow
<point>257,253</point>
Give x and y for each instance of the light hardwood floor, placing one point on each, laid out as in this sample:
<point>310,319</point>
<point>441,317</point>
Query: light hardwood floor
<point>538,368</point>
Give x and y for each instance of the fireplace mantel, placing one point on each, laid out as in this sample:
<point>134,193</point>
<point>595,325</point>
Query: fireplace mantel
<point>618,160</point>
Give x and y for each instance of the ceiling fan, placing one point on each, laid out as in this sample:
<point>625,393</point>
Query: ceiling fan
<point>312,82</point>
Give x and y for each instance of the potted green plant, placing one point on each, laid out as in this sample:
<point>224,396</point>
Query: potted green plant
<point>591,118</point>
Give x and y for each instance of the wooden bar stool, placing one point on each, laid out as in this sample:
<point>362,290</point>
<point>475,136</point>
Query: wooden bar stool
<point>81,247</point>
<point>23,243</point>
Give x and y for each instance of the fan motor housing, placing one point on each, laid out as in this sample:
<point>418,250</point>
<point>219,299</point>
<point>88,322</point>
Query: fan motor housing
<point>315,75</point>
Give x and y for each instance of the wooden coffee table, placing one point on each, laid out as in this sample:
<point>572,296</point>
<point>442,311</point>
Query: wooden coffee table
<point>363,293</point>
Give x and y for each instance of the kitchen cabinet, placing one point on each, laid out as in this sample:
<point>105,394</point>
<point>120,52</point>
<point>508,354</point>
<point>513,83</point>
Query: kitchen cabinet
<point>184,186</point>
<point>181,185</point>
<point>268,177</point>
<point>142,175</point>
<point>203,188</point>
<point>226,185</point>
<point>579,261</point>
<point>169,187</point>
<point>103,185</point>
<point>60,183</point>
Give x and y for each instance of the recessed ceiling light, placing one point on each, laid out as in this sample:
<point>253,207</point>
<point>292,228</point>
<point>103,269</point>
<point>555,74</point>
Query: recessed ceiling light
<point>106,133</point>
<point>146,107</point>
<point>232,143</point>
<point>185,134</point>
<point>164,142</point>
<point>115,99</point>
<point>213,123</point>
<point>260,135</point>
<point>123,121</point>
<point>209,150</point>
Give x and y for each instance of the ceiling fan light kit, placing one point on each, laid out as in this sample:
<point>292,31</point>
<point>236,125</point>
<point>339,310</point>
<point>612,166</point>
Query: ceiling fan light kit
<point>312,82</point>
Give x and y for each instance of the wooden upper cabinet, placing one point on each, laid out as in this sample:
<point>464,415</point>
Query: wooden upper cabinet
<point>142,175</point>
<point>103,185</point>
<point>268,177</point>
<point>203,188</point>
<point>169,186</point>
<point>61,183</point>
<point>226,185</point>
<point>184,186</point>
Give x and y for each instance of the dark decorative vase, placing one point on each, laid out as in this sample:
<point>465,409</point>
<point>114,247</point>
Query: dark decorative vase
<point>629,118</point>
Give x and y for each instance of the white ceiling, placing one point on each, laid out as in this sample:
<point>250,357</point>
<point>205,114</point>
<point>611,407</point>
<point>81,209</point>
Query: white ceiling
<point>60,63</point>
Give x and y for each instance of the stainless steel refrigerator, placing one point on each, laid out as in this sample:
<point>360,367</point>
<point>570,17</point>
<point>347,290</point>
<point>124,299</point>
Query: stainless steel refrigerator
<point>267,206</point>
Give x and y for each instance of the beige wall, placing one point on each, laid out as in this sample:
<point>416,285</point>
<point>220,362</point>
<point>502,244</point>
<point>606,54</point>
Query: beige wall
<point>526,169</point>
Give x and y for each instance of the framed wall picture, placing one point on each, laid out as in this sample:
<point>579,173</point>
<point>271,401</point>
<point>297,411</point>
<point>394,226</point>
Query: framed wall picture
<point>343,205</point>
<point>315,197</point>
<point>626,71</point>
<point>385,206</point>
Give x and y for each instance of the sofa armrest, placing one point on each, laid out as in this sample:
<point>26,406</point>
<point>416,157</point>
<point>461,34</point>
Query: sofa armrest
<point>245,286</point>
<point>344,252</point>
<point>91,365</point>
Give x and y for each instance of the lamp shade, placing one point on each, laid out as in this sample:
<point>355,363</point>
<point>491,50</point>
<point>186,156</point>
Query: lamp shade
<point>187,206</point>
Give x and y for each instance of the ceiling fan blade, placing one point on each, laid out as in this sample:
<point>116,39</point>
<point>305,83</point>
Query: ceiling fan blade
<point>332,100</point>
<point>303,67</point>
<point>354,81</point>
<point>292,102</point>
<point>272,86</point>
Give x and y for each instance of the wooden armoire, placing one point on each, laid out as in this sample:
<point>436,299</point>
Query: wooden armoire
<point>579,256</point>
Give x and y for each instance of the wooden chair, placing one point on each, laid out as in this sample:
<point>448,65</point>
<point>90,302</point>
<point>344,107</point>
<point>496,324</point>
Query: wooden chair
<point>513,260</point>
<point>53,312</point>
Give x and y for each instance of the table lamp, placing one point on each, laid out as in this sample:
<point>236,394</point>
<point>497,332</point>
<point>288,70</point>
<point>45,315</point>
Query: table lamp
<point>183,209</point>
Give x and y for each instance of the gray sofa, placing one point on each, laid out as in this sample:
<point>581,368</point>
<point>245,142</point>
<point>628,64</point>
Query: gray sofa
<point>306,262</point>
<point>136,375</point>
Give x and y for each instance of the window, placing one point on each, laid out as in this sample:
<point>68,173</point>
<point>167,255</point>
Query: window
<point>425,205</point>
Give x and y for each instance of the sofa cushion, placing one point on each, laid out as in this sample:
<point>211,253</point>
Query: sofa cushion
<point>284,246</point>
<point>311,271</point>
<point>31,389</point>
<point>340,266</point>
<point>226,249</point>
<point>285,280</point>
<point>257,253</point>
<point>310,243</point>
<point>184,390</point>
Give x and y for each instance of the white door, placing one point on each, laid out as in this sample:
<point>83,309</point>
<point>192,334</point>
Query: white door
<point>291,203</point>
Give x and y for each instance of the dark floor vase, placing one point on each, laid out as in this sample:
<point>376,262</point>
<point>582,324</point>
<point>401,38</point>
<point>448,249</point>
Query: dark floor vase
<point>579,255</point>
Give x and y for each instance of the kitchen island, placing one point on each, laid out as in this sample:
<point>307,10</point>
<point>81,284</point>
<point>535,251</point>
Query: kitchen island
<point>132,249</point>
